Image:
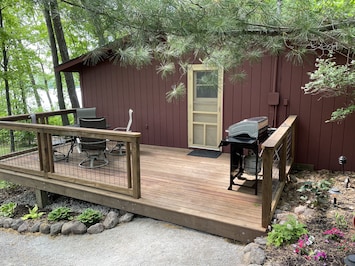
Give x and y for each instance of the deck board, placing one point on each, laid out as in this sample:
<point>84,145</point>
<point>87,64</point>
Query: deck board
<point>186,190</point>
<point>197,185</point>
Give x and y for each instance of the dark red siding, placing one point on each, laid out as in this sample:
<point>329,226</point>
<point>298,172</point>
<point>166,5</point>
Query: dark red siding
<point>114,89</point>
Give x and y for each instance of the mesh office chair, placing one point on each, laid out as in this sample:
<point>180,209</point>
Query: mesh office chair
<point>93,148</point>
<point>119,148</point>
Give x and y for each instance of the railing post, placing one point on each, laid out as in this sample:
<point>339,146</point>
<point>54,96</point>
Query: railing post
<point>268,155</point>
<point>136,175</point>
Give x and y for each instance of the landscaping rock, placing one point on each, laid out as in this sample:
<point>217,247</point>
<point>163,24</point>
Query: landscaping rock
<point>23,227</point>
<point>283,216</point>
<point>7,222</point>
<point>96,228</point>
<point>35,228</point>
<point>66,228</point>
<point>308,213</point>
<point>44,228</point>
<point>261,241</point>
<point>127,217</point>
<point>79,228</point>
<point>253,254</point>
<point>111,220</point>
<point>56,228</point>
<point>300,209</point>
<point>2,222</point>
<point>16,223</point>
<point>74,227</point>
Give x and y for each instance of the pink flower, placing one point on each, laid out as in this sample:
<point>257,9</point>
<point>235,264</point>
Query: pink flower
<point>320,255</point>
<point>333,234</point>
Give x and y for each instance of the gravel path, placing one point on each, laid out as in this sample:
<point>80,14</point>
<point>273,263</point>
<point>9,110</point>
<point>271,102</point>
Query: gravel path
<point>143,241</point>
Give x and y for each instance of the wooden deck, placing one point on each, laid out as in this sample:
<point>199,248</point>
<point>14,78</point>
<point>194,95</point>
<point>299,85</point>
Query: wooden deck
<point>175,187</point>
<point>159,182</point>
<point>192,191</point>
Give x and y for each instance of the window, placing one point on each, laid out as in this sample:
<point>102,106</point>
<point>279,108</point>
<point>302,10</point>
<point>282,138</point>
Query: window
<point>206,84</point>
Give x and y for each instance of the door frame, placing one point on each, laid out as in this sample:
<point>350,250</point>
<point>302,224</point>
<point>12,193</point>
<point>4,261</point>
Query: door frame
<point>190,88</point>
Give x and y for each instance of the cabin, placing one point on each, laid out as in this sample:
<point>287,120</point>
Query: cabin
<point>271,88</point>
<point>156,177</point>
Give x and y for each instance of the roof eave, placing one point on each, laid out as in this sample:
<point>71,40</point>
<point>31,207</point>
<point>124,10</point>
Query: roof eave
<point>73,65</point>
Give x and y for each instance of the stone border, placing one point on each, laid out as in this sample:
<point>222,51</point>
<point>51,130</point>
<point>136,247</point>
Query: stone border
<point>74,227</point>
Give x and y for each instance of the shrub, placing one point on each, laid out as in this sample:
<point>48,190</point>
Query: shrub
<point>286,233</point>
<point>6,185</point>
<point>32,213</point>
<point>61,213</point>
<point>8,209</point>
<point>89,216</point>
<point>316,192</point>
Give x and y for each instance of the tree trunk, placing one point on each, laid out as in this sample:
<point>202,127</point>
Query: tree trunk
<point>23,100</point>
<point>62,45</point>
<point>46,88</point>
<point>54,53</point>
<point>34,88</point>
<point>5,63</point>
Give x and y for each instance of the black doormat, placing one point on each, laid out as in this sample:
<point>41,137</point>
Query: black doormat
<point>205,153</point>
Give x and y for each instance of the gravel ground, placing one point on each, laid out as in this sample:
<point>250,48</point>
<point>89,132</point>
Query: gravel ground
<point>143,241</point>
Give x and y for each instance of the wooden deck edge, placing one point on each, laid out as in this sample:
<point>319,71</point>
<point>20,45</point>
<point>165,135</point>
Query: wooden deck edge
<point>136,206</point>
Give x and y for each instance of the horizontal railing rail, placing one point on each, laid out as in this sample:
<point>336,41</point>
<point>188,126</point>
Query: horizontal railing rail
<point>53,153</point>
<point>278,157</point>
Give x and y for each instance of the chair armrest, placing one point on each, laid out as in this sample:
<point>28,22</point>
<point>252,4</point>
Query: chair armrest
<point>120,129</point>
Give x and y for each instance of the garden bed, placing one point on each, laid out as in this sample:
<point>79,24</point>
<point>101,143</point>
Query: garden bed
<point>331,232</point>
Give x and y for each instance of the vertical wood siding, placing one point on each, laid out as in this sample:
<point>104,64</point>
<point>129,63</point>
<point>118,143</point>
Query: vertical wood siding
<point>114,89</point>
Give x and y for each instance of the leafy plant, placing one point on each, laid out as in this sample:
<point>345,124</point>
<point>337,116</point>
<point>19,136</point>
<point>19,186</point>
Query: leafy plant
<point>286,233</point>
<point>333,234</point>
<point>340,221</point>
<point>316,192</point>
<point>61,213</point>
<point>32,213</point>
<point>5,184</point>
<point>89,216</point>
<point>8,209</point>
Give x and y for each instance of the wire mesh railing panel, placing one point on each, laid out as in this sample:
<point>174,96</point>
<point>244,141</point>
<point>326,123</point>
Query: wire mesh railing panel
<point>70,158</point>
<point>19,149</point>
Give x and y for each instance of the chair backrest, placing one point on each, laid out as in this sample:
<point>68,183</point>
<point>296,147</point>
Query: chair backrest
<point>96,144</point>
<point>95,122</point>
<point>89,112</point>
<point>130,115</point>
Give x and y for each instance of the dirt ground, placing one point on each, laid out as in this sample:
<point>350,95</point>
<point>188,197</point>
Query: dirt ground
<point>324,216</point>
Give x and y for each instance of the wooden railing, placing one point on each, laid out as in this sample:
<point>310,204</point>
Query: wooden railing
<point>278,156</point>
<point>37,166</point>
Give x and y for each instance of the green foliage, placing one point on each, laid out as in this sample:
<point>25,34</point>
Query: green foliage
<point>286,233</point>
<point>340,221</point>
<point>315,192</point>
<point>176,92</point>
<point>89,216</point>
<point>6,184</point>
<point>8,209</point>
<point>331,80</point>
<point>33,214</point>
<point>61,213</point>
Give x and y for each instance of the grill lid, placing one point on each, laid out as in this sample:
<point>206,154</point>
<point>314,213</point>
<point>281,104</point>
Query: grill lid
<point>250,127</point>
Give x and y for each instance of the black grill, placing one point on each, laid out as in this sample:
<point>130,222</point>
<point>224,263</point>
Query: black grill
<point>244,139</point>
